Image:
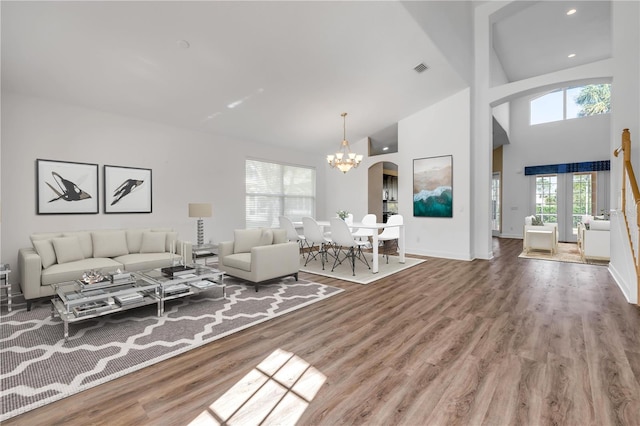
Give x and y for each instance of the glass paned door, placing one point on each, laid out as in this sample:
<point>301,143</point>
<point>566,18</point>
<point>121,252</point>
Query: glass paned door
<point>547,198</point>
<point>495,204</point>
<point>584,197</point>
<point>564,198</point>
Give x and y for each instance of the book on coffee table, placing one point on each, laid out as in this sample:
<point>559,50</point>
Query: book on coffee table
<point>91,308</point>
<point>174,271</point>
<point>128,299</point>
<point>203,284</point>
<point>176,289</point>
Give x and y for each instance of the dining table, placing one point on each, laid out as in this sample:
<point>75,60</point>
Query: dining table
<point>376,227</point>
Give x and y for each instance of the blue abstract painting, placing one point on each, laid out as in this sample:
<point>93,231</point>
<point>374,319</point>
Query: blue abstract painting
<point>433,186</point>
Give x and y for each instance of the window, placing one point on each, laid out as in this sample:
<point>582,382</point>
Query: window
<point>584,199</point>
<point>274,190</point>
<point>547,198</point>
<point>571,102</point>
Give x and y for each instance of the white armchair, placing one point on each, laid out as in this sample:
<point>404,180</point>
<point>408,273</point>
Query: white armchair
<point>595,243</point>
<point>259,255</point>
<point>540,237</point>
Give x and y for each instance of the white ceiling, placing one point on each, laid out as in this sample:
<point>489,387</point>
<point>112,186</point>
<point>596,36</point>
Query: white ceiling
<point>537,37</point>
<point>296,66</point>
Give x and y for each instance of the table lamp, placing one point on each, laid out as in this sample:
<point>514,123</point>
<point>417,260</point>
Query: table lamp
<point>200,210</point>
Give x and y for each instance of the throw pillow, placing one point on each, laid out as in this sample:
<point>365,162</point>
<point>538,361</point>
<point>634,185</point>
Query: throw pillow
<point>109,243</point>
<point>68,249</point>
<point>153,242</point>
<point>266,238</point>
<point>279,236</point>
<point>45,250</point>
<point>536,221</point>
<point>245,239</point>
<point>85,241</point>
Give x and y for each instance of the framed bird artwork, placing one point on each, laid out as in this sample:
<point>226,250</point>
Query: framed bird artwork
<point>65,187</point>
<point>127,190</point>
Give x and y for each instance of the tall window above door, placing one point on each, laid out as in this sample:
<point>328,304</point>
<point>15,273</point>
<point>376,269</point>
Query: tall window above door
<point>274,190</point>
<point>571,102</point>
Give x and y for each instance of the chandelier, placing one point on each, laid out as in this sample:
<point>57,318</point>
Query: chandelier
<point>344,159</point>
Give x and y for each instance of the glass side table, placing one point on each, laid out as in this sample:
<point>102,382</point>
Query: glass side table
<point>204,251</point>
<point>5,269</point>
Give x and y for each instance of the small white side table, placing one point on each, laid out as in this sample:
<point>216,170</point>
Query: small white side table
<point>5,269</point>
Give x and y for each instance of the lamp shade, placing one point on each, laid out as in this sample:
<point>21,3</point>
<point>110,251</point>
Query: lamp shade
<point>199,210</point>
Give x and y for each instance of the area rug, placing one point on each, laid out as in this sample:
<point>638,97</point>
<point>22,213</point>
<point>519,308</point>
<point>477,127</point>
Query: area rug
<point>363,275</point>
<point>567,252</point>
<point>37,367</point>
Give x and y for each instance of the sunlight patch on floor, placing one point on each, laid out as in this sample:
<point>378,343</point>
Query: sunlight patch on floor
<point>277,391</point>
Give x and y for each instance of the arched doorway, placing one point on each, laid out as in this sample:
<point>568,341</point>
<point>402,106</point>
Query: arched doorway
<point>383,190</point>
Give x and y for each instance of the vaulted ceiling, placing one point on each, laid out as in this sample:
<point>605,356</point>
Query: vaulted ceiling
<point>266,71</point>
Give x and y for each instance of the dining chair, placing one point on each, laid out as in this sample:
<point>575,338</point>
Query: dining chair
<point>391,234</point>
<point>349,221</point>
<point>368,219</point>
<point>315,238</point>
<point>292,233</point>
<point>344,243</point>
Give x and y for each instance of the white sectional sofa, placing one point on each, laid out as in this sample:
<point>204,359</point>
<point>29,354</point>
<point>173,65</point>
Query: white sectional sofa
<point>56,257</point>
<point>258,255</point>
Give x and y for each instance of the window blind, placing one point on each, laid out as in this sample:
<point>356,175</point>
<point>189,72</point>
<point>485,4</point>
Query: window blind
<point>274,190</point>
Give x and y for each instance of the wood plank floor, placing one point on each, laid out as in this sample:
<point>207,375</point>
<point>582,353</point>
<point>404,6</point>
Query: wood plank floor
<point>503,342</point>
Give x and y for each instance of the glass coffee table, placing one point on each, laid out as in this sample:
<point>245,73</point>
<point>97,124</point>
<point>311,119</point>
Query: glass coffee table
<point>192,280</point>
<point>77,301</point>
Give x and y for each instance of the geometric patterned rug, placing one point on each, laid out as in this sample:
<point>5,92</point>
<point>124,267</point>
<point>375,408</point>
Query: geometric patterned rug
<point>38,367</point>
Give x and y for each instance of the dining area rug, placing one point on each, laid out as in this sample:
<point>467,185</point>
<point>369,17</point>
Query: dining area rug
<point>38,367</point>
<point>363,275</point>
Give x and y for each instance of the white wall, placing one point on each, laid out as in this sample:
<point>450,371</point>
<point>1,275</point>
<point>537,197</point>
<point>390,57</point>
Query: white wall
<point>441,129</point>
<point>625,103</point>
<point>568,141</point>
<point>187,167</point>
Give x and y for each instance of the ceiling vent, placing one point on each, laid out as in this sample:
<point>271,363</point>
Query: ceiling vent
<point>421,67</point>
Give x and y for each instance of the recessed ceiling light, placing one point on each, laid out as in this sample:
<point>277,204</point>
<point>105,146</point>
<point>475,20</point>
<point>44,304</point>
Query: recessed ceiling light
<point>386,148</point>
<point>571,12</point>
<point>571,55</point>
